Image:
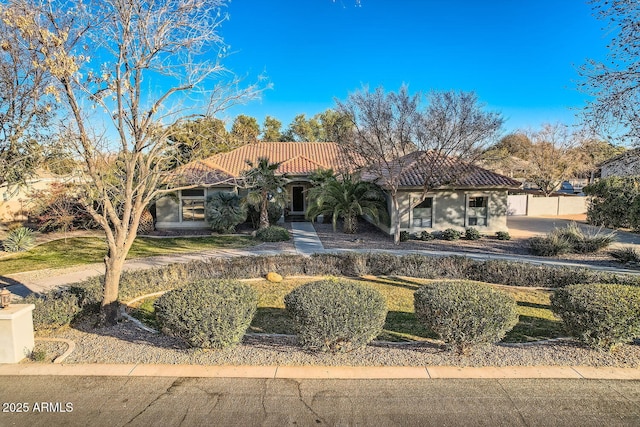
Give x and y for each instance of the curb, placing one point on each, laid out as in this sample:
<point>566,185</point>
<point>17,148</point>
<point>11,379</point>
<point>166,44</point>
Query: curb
<point>325,372</point>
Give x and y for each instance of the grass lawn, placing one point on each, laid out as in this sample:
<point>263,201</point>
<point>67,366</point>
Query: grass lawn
<point>537,322</point>
<point>86,250</point>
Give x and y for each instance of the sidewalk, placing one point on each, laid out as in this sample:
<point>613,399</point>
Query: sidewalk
<point>323,372</point>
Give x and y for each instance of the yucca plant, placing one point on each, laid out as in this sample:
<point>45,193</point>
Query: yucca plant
<point>19,240</point>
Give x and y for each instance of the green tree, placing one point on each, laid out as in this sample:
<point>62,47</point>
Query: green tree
<point>334,126</point>
<point>245,129</point>
<point>347,198</point>
<point>305,130</point>
<point>614,202</point>
<point>613,84</point>
<point>271,129</point>
<point>197,139</point>
<point>265,186</point>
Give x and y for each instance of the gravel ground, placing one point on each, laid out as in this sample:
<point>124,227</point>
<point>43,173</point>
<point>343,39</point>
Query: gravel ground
<point>369,236</point>
<point>125,343</point>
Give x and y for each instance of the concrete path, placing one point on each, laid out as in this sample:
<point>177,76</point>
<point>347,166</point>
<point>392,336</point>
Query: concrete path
<point>306,239</point>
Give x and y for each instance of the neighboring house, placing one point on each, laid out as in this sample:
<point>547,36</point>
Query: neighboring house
<point>479,200</point>
<point>625,164</point>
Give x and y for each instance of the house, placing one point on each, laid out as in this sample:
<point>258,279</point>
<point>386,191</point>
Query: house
<point>625,164</point>
<point>478,200</point>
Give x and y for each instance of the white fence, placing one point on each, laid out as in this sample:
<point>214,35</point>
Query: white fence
<point>529,205</point>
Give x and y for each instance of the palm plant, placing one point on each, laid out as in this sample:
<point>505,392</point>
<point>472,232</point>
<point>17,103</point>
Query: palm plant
<point>265,187</point>
<point>347,199</point>
<point>224,211</point>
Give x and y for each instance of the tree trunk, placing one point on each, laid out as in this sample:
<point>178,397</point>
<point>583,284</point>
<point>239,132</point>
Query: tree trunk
<point>396,218</point>
<point>264,213</point>
<point>109,313</point>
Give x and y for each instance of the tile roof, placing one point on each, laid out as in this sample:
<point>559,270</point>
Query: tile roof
<point>297,158</point>
<point>414,168</point>
<point>199,172</point>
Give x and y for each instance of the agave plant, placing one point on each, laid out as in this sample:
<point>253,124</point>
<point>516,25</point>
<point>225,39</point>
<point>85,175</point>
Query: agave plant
<point>19,240</point>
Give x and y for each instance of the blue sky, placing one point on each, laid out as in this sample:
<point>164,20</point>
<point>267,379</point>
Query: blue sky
<point>520,56</point>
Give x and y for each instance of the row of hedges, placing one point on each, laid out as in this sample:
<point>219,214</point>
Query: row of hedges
<point>88,294</point>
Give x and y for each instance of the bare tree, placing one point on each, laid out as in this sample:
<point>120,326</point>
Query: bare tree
<point>392,134</point>
<point>615,84</point>
<point>552,156</point>
<point>26,102</point>
<point>127,70</point>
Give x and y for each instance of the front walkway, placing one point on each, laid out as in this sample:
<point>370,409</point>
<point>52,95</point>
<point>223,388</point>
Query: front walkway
<point>306,239</point>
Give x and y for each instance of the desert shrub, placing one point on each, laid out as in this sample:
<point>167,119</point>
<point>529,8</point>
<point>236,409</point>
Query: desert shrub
<point>570,239</point>
<point>404,236</point>
<point>273,234</point>
<point>59,209</point>
<point>336,315</point>
<point>464,314</point>
<point>224,210</point>
<point>451,234</point>
<point>53,309</point>
<point>583,241</point>
<point>425,236</point>
<point>550,245</point>
<point>19,240</point>
<point>600,315</point>
<point>208,313</point>
<point>472,233</point>
<point>626,255</point>
<point>503,235</point>
<point>274,212</point>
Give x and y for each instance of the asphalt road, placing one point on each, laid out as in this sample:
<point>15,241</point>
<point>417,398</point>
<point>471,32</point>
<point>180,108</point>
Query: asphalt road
<point>153,401</point>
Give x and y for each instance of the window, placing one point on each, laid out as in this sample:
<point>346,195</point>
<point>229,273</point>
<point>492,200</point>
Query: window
<point>192,202</point>
<point>477,211</point>
<point>422,213</point>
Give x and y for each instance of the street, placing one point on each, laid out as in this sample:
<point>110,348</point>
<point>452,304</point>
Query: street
<point>171,401</point>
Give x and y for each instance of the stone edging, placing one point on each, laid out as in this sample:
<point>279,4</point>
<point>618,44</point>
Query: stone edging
<point>71,346</point>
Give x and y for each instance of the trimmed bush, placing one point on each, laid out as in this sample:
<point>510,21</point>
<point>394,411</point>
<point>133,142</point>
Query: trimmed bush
<point>464,314</point>
<point>404,236</point>
<point>472,234</point>
<point>273,234</point>
<point>19,240</point>
<point>336,315</point>
<point>425,236</point>
<point>451,234</point>
<point>626,255</point>
<point>600,315</point>
<point>503,235</point>
<point>53,310</point>
<point>208,313</point>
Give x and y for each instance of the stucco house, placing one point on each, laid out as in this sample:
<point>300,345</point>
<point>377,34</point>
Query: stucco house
<point>478,200</point>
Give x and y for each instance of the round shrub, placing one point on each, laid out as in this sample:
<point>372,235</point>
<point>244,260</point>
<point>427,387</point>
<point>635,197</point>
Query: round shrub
<point>503,235</point>
<point>208,313</point>
<point>425,236</point>
<point>336,315</point>
<point>19,240</point>
<point>550,245</point>
<point>472,234</point>
<point>53,310</point>
<point>404,236</point>
<point>273,234</point>
<point>451,234</point>
<point>464,313</point>
<point>600,315</point>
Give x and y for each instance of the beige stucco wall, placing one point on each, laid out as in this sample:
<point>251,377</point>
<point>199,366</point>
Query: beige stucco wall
<point>545,206</point>
<point>450,210</point>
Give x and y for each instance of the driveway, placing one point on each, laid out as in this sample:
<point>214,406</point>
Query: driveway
<point>528,226</point>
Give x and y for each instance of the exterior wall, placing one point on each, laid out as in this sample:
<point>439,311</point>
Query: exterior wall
<point>15,200</point>
<point>450,210</point>
<point>551,206</point>
<point>168,211</point>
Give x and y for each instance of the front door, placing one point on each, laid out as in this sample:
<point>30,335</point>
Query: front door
<point>297,199</point>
